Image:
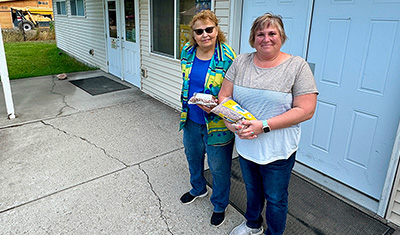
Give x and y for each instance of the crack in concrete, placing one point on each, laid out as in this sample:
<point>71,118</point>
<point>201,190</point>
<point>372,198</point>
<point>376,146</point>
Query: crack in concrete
<point>63,98</point>
<point>157,156</point>
<point>61,190</point>
<point>85,140</point>
<point>160,207</point>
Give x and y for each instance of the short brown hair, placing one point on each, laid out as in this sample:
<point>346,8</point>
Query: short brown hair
<point>205,15</point>
<point>266,20</point>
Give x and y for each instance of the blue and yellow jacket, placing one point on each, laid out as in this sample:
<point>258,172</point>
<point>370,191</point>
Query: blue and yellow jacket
<point>218,133</point>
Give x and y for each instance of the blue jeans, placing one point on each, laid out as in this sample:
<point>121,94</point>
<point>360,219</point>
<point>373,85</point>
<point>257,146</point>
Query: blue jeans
<point>270,182</point>
<point>219,160</point>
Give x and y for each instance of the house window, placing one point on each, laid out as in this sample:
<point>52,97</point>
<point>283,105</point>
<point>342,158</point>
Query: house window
<point>170,25</point>
<point>77,7</point>
<point>60,5</point>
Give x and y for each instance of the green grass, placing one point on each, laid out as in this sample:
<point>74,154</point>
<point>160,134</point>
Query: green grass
<point>39,58</point>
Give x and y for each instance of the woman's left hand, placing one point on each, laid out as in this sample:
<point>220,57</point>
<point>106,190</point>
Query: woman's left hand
<point>251,129</point>
<point>205,108</point>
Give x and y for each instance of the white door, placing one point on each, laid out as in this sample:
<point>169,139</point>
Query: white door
<point>130,42</point>
<point>355,46</point>
<point>113,38</point>
<point>296,18</point>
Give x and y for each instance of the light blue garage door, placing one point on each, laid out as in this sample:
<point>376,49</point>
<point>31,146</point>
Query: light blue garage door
<point>296,19</point>
<point>355,46</point>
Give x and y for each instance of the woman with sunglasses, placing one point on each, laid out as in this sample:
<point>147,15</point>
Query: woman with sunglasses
<point>204,61</point>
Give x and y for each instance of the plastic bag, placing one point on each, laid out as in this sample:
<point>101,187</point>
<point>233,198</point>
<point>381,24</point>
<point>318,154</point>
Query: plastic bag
<point>231,111</point>
<point>203,99</point>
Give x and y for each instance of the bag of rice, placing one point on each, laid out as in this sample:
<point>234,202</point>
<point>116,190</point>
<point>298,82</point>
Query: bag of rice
<point>231,111</point>
<point>203,99</point>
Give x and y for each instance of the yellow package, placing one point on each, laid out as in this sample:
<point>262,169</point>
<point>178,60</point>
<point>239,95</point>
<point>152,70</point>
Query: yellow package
<point>231,111</point>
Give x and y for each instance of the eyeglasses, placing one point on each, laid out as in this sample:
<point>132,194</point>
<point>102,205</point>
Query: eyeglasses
<point>200,31</point>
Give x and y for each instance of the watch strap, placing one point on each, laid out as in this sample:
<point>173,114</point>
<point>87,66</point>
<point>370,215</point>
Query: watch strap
<point>266,127</point>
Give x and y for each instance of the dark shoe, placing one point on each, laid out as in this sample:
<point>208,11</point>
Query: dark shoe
<point>188,198</point>
<point>217,218</point>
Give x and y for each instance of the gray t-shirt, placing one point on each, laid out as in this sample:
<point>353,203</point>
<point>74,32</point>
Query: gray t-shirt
<point>268,92</point>
<point>292,76</point>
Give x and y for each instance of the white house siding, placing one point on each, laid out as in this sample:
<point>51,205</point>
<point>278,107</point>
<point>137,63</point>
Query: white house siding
<point>222,11</point>
<point>164,74</point>
<point>77,34</point>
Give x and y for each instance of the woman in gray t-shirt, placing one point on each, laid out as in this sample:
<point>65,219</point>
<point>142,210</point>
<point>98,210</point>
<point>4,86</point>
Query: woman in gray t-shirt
<point>279,90</point>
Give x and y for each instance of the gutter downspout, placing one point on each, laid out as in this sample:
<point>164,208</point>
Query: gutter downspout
<point>5,80</point>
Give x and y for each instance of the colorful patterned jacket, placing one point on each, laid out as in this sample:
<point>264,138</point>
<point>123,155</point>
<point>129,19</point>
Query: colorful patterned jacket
<point>218,133</point>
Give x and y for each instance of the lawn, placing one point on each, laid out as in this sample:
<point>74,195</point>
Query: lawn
<point>39,58</point>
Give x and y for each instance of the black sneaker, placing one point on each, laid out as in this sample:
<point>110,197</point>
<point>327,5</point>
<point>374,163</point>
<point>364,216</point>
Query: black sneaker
<point>188,198</point>
<point>217,218</point>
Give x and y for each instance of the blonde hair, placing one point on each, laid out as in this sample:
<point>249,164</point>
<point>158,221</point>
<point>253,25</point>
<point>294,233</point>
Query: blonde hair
<point>205,15</point>
<point>266,20</point>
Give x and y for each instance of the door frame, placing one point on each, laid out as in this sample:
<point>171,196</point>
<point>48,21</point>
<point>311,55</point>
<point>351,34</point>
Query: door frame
<point>392,174</point>
<point>380,207</point>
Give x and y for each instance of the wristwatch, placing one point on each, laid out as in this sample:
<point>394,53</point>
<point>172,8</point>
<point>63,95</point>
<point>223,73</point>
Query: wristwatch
<point>266,127</point>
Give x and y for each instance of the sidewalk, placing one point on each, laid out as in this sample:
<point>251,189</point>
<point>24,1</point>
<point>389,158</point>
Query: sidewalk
<point>72,163</point>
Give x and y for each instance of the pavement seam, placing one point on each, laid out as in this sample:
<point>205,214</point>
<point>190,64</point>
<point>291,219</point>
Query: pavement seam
<point>96,178</point>
<point>66,115</point>
<point>62,190</point>
<point>160,207</point>
<point>85,140</point>
<point>63,98</point>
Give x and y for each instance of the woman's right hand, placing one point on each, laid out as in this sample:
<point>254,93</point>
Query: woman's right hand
<point>235,128</point>
<point>230,126</point>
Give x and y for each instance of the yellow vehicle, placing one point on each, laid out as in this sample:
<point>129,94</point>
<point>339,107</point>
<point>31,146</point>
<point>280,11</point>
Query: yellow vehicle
<point>27,18</point>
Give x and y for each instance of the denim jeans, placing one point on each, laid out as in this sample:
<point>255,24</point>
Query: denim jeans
<point>219,160</point>
<point>270,182</point>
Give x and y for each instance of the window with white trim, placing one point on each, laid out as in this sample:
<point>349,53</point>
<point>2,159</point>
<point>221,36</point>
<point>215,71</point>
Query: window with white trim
<point>169,28</point>
<point>77,7</point>
<point>61,10</point>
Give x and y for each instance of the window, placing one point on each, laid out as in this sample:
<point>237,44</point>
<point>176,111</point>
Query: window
<point>112,19</point>
<point>170,25</point>
<point>130,30</point>
<point>163,26</point>
<point>77,7</point>
<point>60,5</point>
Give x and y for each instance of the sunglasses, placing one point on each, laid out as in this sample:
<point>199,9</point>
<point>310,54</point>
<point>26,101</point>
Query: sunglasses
<point>200,31</point>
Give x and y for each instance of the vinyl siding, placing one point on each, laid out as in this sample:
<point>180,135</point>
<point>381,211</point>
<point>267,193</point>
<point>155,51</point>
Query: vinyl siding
<point>76,35</point>
<point>164,74</point>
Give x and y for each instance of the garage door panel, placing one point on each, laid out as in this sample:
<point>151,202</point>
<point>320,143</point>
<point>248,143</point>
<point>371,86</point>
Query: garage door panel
<point>352,46</point>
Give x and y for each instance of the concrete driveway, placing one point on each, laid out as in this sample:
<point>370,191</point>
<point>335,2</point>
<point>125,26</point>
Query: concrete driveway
<point>72,163</point>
